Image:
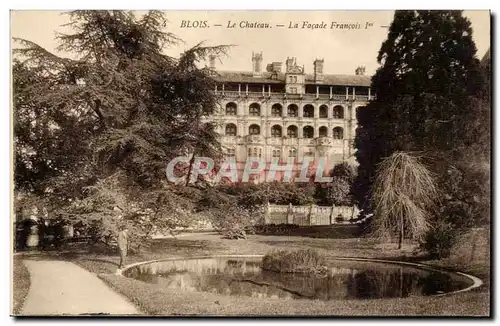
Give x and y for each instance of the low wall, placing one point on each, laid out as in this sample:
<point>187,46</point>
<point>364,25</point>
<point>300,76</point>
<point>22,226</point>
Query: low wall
<point>310,215</point>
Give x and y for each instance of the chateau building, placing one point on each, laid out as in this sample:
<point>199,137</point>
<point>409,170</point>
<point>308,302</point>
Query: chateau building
<point>279,115</point>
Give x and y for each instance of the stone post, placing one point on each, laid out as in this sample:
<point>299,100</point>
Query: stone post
<point>311,214</point>
<point>332,219</point>
<point>289,216</point>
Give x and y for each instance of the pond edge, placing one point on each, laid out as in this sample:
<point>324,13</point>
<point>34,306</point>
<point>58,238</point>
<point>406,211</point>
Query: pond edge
<point>476,282</point>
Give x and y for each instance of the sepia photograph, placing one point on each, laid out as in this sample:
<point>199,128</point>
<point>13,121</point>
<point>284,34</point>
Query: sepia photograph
<point>251,163</point>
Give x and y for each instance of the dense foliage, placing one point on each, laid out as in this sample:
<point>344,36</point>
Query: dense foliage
<point>439,240</point>
<point>339,191</point>
<point>93,134</point>
<point>431,98</point>
<point>250,195</point>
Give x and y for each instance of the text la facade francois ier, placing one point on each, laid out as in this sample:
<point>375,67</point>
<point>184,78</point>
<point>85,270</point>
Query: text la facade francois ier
<point>288,115</point>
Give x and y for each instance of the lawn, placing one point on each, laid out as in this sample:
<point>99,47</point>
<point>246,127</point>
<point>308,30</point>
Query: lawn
<point>20,284</point>
<point>470,256</point>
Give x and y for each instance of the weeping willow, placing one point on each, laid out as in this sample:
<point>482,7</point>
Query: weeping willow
<point>404,193</point>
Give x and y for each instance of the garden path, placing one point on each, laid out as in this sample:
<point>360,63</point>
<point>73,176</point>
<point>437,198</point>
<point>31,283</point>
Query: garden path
<point>61,287</point>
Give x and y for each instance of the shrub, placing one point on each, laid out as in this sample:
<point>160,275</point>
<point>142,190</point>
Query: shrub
<point>250,195</point>
<point>226,216</point>
<point>306,261</point>
<point>439,240</point>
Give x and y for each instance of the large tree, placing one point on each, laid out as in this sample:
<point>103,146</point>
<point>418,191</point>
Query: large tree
<point>429,95</point>
<point>94,132</point>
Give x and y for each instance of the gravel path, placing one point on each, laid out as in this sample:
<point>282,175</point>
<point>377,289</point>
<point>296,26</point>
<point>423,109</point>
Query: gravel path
<point>63,288</point>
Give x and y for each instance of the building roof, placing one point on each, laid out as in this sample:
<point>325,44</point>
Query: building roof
<point>247,77</point>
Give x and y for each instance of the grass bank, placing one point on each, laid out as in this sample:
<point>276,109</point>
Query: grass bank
<point>20,284</point>
<point>154,300</point>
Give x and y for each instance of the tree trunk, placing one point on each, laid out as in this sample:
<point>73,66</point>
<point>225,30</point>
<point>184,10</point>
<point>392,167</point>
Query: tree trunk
<point>401,234</point>
<point>190,169</point>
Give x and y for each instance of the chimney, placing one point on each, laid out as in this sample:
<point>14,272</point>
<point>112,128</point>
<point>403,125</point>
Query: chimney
<point>211,60</point>
<point>289,63</point>
<point>360,70</point>
<point>318,70</point>
<point>274,67</point>
<point>257,64</point>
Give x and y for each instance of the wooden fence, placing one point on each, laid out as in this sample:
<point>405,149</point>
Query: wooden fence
<point>311,215</point>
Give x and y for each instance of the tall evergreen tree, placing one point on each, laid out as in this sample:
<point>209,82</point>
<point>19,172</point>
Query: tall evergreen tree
<point>94,133</point>
<point>427,90</point>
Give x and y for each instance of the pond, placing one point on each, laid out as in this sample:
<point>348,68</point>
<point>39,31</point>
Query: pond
<point>346,279</point>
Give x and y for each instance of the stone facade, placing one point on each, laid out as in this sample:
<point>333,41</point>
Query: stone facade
<point>275,115</point>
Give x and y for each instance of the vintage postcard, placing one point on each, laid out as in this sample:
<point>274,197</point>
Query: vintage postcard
<point>251,163</point>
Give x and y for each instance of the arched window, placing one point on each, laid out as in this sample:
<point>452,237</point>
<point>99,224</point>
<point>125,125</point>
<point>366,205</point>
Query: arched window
<point>276,131</point>
<point>293,110</point>
<point>338,112</point>
<point>292,152</point>
<point>254,109</point>
<point>323,131</point>
<point>292,132</point>
<point>276,153</point>
<point>308,111</point>
<point>254,130</point>
<point>338,133</point>
<point>276,110</point>
<point>308,132</point>
<point>230,129</point>
<point>231,108</point>
<point>323,111</point>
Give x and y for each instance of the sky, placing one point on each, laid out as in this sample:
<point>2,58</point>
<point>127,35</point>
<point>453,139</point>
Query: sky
<point>343,50</point>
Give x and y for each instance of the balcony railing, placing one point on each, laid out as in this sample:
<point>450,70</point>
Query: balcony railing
<point>282,141</point>
<point>306,96</point>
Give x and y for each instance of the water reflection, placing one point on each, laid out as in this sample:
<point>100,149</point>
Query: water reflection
<point>345,279</point>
